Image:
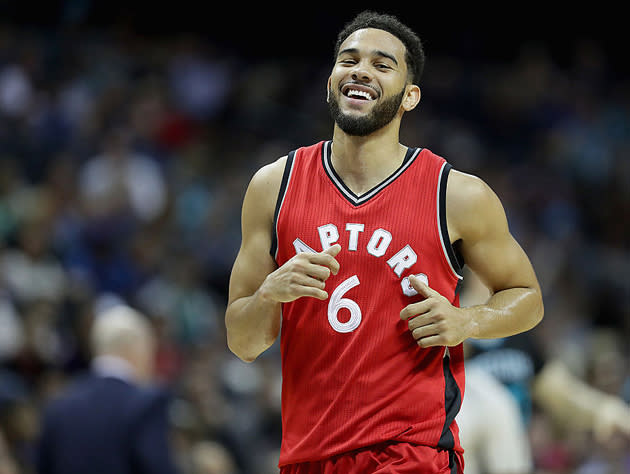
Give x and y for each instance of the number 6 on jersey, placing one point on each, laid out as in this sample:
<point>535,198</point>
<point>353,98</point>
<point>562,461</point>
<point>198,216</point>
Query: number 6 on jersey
<point>337,302</point>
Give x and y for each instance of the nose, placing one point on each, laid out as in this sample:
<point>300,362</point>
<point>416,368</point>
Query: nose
<point>360,73</point>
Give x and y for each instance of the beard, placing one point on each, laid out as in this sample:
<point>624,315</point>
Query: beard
<point>362,126</point>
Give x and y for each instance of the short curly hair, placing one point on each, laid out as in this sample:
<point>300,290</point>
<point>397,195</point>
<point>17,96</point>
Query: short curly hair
<point>414,55</point>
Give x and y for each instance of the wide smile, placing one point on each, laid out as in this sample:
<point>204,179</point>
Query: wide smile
<point>359,92</point>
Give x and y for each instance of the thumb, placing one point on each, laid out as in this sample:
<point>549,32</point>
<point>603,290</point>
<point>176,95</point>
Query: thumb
<point>333,250</point>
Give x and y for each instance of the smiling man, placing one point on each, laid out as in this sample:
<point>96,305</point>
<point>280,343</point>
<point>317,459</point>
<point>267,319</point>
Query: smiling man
<point>383,112</point>
<point>352,252</point>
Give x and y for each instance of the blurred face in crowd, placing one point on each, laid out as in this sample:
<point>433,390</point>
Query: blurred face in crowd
<point>368,84</point>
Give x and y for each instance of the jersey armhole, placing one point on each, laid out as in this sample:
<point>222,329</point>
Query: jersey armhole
<point>453,257</point>
<point>286,177</point>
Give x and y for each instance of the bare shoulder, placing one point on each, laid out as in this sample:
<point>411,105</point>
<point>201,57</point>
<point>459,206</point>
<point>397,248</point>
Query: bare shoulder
<point>465,189</point>
<point>264,186</point>
<point>270,175</point>
<point>472,206</point>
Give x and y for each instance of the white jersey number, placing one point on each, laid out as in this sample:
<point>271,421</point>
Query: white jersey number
<point>337,302</point>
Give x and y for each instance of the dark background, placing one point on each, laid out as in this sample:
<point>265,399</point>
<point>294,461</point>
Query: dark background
<point>488,30</point>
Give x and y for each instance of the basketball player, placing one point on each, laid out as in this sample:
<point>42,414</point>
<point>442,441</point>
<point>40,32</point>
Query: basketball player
<point>352,249</point>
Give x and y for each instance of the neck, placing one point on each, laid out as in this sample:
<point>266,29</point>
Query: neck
<point>363,162</point>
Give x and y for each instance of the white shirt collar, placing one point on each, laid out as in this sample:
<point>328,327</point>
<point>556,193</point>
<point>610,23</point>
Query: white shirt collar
<point>113,366</point>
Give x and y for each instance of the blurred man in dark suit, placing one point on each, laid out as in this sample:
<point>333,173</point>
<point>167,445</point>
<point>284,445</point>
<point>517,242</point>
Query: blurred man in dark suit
<point>111,421</point>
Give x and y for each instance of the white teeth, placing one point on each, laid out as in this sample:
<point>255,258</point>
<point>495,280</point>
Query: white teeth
<point>356,93</point>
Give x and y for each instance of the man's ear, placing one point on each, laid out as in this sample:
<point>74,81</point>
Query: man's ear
<point>411,98</point>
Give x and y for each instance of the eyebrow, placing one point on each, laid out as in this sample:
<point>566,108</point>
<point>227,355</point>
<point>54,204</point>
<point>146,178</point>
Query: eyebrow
<point>376,52</point>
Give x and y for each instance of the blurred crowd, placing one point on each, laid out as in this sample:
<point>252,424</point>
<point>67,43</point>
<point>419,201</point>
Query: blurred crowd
<point>123,163</point>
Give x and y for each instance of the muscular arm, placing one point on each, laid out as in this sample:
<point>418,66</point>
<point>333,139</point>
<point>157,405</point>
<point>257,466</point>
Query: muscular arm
<point>253,321</point>
<point>257,286</point>
<point>476,217</point>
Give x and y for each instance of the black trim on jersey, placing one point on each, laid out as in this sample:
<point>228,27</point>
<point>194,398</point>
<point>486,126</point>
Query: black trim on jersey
<point>459,286</point>
<point>452,404</point>
<point>411,154</point>
<point>452,462</point>
<point>283,189</point>
<point>454,256</point>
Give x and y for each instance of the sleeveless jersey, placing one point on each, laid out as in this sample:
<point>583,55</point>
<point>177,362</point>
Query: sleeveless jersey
<point>352,374</point>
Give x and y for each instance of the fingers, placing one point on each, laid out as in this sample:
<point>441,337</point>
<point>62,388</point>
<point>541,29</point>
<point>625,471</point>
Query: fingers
<point>286,286</point>
<point>429,334</point>
<point>299,291</point>
<point>308,281</point>
<point>333,250</point>
<point>416,309</point>
<point>304,275</point>
<point>431,301</point>
<point>318,272</point>
<point>327,258</point>
<point>421,287</point>
<point>313,292</point>
<point>322,265</point>
<point>428,320</point>
<point>421,323</point>
<point>430,341</point>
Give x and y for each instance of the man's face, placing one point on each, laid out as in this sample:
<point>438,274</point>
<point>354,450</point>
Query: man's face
<point>368,81</point>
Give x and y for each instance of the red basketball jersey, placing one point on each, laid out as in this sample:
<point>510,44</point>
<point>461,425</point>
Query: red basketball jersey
<point>352,373</point>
